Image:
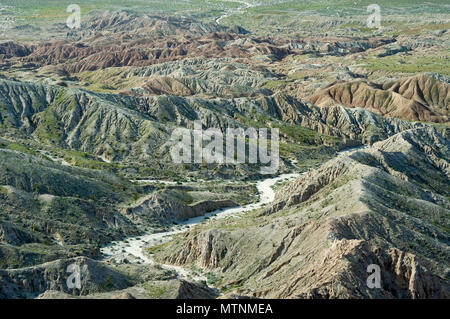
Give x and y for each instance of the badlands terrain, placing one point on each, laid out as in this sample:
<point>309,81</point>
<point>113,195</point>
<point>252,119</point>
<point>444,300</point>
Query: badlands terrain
<point>87,179</point>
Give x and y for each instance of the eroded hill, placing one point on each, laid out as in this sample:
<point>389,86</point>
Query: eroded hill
<point>419,98</point>
<point>86,117</point>
<point>387,205</point>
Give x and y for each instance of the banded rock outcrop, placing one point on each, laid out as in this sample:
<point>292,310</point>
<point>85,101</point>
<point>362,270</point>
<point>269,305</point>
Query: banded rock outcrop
<point>419,98</point>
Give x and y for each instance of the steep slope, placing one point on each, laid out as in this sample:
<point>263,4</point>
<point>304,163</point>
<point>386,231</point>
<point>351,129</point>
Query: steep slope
<point>104,51</point>
<point>101,123</point>
<point>50,211</point>
<point>387,205</point>
<point>32,281</point>
<point>163,206</point>
<point>130,22</point>
<point>348,124</point>
<point>424,89</point>
<point>125,38</point>
<point>419,98</point>
<point>98,280</point>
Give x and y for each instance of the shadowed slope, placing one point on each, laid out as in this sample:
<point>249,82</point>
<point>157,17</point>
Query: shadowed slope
<point>419,98</point>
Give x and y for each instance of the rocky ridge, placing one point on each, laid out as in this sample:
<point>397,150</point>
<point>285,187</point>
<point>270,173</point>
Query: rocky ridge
<point>418,98</point>
<point>317,239</point>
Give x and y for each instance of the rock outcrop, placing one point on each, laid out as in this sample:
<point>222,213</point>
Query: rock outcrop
<point>32,281</point>
<point>165,208</point>
<point>386,205</point>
